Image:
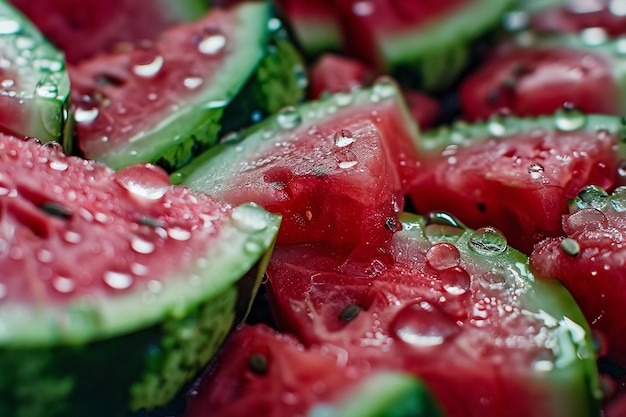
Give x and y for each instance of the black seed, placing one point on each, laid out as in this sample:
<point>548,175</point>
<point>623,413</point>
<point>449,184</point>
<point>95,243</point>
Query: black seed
<point>109,80</point>
<point>57,210</point>
<point>349,313</point>
<point>482,207</point>
<point>391,223</point>
<point>257,363</point>
<point>151,222</point>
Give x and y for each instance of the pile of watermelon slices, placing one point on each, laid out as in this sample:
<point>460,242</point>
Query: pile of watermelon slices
<point>287,208</point>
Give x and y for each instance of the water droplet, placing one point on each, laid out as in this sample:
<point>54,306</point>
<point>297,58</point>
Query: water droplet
<point>288,118</point>
<point>250,218</point>
<point>274,24</point>
<point>488,241</point>
<point>384,87</point>
<point>178,233</point>
<point>618,199</point>
<point>346,158</point>
<point>149,69</point>
<point>142,246</point>
<point>497,126</point>
<point>46,90</point>
<point>44,255</point>
<point>456,281</point>
<point>569,119</point>
<point>63,284</point>
<point>85,116</point>
<point>138,269</point>
<point>536,171</point>
<point>363,8</point>
<point>212,44</point>
<point>72,237</point>
<point>570,247</point>
<point>9,26</point>
<point>144,180</point>
<point>343,99</point>
<point>343,138</point>
<point>594,36</point>
<point>8,83</point>
<point>592,196</point>
<point>192,82</point>
<point>58,165</point>
<point>118,280</point>
<point>621,169</point>
<point>253,247</point>
<point>586,219</point>
<point>423,325</point>
<point>442,227</point>
<point>516,20</point>
<point>301,77</point>
<point>25,43</point>
<point>48,65</point>
<point>617,7</point>
<point>442,256</point>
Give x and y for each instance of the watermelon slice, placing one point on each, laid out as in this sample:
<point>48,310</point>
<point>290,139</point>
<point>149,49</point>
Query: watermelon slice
<point>457,307</point>
<point>34,84</point>
<point>167,101</point>
<point>263,373</point>
<point>83,28</point>
<point>336,169</point>
<point>517,174</point>
<point>535,75</point>
<point>116,288</point>
<point>589,262</point>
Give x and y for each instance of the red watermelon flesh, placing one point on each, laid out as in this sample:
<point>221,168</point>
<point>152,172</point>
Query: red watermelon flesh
<point>478,335</point>
<point>539,80</point>
<point>589,261</point>
<point>336,169</point>
<point>518,180</point>
<point>83,28</point>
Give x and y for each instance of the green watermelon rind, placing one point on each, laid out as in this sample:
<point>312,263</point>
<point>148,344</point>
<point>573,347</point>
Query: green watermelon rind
<point>573,382</point>
<point>38,64</point>
<point>463,134</point>
<point>198,123</point>
<point>153,347</point>
<point>433,55</point>
<point>383,394</point>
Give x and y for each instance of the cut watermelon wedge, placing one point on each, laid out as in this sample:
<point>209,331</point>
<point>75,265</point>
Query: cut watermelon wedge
<point>336,169</point>
<point>589,262</point>
<point>83,28</point>
<point>262,373</point>
<point>457,307</point>
<point>34,84</point>
<point>517,174</point>
<point>116,288</point>
<point>168,101</point>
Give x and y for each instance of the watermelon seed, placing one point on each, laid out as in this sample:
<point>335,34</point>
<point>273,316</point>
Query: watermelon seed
<point>151,222</point>
<point>212,44</point>
<point>536,171</point>
<point>618,199</point>
<point>258,364</point>
<point>592,196</point>
<point>56,210</point>
<point>343,138</point>
<point>487,241</point>
<point>9,26</point>
<point>288,118</point>
<point>349,313</point>
<point>570,247</point>
<point>569,118</point>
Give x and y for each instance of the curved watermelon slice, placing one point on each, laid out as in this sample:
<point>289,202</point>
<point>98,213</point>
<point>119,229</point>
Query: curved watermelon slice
<point>589,262</point>
<point>534,75</point>
<point>116,288</point>
<point>165,102</point>
<point>83,28</point>
<point>336,169</point>
<point>517,174</point>
<point>457,307</point>
<point>262,373</point>
<point>34,84</point>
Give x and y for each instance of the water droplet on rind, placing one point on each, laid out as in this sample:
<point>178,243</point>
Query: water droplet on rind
<point>442,227</point>
<point>592,196</point>
<point>618,199</point>
<point>288,118</point>
<point>569,119</point>
<point>250,218</point>
<point>487,241</point>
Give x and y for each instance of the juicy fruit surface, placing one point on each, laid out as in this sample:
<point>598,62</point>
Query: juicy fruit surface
<point>534,81</point>
<point>589,262</point>
<point>454,309</point>
<point>67,23</point>
<point>336,169</point>
<point>272,374</point>
<point>518,179</point>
